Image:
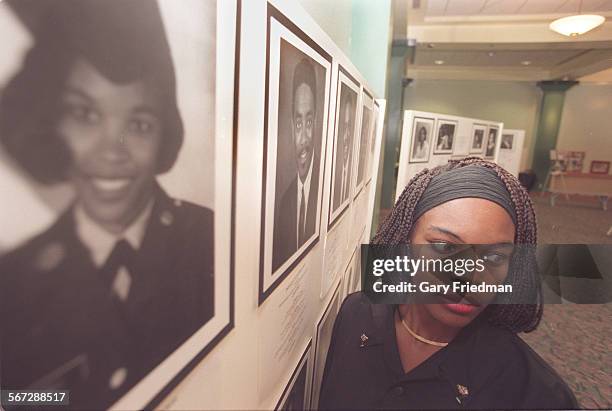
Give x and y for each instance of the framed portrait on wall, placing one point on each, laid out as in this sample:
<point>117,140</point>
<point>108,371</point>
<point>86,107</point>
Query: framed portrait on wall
<point>478,138</point>
<point>445,137</point>
<point>343,143</point>
<point>372,143</point>
<point>422,130</point>
<point>298,79</point>
<point>352,275</point>
<point>574,161</point>
<point>507,142</point>
<point>324,329</point>
<point>600,167</point>
<point>362,149</point>
<point>491,142</point>
<point>138,251</point>
<point>295,395</point>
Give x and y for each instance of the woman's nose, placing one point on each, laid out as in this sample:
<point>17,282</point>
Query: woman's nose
<point>115,145</point>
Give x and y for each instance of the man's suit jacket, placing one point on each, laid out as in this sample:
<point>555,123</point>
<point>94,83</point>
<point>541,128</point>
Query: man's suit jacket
<point>285,221</point>
<point>339,194</point>
<point>60,323</point>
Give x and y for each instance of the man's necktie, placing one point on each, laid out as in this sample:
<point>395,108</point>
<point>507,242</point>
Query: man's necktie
<point>302,218</point>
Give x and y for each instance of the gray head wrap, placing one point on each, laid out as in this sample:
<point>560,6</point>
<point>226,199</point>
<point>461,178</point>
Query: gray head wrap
<point>465,182</point>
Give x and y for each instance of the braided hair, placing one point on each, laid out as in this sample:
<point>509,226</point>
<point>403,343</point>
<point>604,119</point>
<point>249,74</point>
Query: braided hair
<point>517,317</point>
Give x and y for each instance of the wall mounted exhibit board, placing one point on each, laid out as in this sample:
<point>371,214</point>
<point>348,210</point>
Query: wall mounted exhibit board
<point>300,139</point>
<point>431,139</point>
<point>511,150</point>
<point>244,253</point>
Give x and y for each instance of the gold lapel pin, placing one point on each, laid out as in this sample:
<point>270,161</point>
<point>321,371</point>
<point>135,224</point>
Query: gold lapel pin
<point>463,392</point>
<point>364,339</point>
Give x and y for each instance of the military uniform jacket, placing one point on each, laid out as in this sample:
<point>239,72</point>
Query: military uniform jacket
<point>61,328</point>
<point>484,367</point>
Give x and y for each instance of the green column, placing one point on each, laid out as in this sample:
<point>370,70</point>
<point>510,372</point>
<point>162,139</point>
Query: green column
<point>549,122</point>
<point>395,92</point>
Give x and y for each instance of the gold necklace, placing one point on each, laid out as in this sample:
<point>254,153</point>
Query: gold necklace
<point>423,339</point>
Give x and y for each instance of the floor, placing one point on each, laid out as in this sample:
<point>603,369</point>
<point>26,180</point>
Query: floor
<point>579,220</point>
<point>576,339</point>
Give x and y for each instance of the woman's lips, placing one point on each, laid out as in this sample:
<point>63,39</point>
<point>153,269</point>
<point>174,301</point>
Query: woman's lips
<point>457,304</point>
<point>110,184</point>
<point>460,308</point>
<point>110,189</point>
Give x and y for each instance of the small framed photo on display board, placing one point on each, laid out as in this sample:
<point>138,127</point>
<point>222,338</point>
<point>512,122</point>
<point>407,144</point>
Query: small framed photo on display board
<point>478,139</point>
<point>445,137</point>
<point>422,130</point>
<point>491,143</point>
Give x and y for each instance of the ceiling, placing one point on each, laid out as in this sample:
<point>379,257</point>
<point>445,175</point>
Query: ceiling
<point>497,58</point>
<point>602,77</point>
<point>499,39</point>
<point>439,8</point>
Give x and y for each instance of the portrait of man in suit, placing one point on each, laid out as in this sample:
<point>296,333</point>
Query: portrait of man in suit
<point>125,274</point>
<point>363,146</point>
<point>295,218</point>
<point>491,142</point>
<point>344,146</point>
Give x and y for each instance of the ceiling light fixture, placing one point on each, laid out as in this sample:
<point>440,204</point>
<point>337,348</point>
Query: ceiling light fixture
<point>439,62</point>
<point>577,24</point>
<point>490,54</point>
<point>525,62</point>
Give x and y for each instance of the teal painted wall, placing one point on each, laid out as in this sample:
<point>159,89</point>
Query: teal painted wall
<point>362,29</point>
<point>371,40</point>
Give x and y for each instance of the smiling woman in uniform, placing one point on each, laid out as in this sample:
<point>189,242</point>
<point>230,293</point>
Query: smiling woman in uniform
<point>125,274</point>
<point>451,353</point>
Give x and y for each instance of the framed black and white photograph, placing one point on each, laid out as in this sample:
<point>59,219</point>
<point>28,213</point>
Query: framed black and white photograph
<point>352,275</point>
<point>421,139</point>
<point>355,283</point>
<point>344,143</point>
<point>117,128</point>
<point>362,149</point>
<point>491,142</point>
<point>295,396</point>
<point>325,327</point>
<point>507,142</point>
<point>445,137</point>
<point>478,139</point>
<point>296,107</point>
<point>372,144</point>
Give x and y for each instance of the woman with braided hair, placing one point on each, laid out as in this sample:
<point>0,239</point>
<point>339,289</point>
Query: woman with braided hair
<point>449,353</point>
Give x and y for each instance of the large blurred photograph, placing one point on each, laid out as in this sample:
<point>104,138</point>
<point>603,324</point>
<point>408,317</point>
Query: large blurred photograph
<point>102,144</point>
